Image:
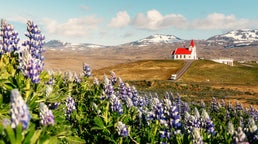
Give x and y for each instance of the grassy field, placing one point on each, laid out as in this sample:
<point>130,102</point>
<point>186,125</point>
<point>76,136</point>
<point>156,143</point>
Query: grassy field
<point>208,71</point>
<point>143,70</point>
<point>203,80</point>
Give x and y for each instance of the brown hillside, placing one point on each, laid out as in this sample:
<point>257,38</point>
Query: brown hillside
<point>143,70</point>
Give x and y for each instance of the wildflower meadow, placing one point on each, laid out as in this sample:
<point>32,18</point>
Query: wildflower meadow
<point>44,106</point>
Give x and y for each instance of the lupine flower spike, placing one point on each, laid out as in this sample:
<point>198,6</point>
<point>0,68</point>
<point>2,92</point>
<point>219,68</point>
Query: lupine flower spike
<point>86,70</point>
<point>9,41</point>
<point>31,58</point>
<point>46,115</point>
<point>70,106</point>
<point>19,110</point>
<point>122,129</point>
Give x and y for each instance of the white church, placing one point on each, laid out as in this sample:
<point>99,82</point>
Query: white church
<point>185,53</point>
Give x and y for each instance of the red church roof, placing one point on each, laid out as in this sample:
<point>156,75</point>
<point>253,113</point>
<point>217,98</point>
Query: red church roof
<point>182,51</point>
<point>192,43</point>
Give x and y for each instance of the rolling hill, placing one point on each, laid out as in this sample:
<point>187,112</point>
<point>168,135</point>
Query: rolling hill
<point>201,71</point>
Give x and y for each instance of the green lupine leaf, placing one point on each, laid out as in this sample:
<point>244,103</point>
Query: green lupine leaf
<point>99,122</point>
<point>11,135</point>
<point>35,136</point>
<point>19,133</point>
<point>73,139</point>
<point>51,140</point>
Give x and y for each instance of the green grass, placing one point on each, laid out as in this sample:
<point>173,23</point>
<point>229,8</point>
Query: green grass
<point>212,72</point>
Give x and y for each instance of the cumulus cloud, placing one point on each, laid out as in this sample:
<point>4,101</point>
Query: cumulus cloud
<point>154,20</point>
<point>81,26</point>
<point>219,21</point>
<point>122,19</point>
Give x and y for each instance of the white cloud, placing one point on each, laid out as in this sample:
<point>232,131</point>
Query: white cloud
<point>19,19</point>
<point>81,26</point>
<point>154,20</point>
<point>219,21</point>
<point>122,19</point>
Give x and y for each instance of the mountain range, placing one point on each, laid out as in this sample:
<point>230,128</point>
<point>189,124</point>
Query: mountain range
<point>234,38</point>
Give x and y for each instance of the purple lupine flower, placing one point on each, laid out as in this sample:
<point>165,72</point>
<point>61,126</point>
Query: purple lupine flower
<point>185,107</point>
<point>68,76</point>
<point>175,119</point>
<point>206,122</point>
<point>141,102</point>
<point>35,42</point>
<point>108,87</point>
<point>30,67</point>
<point>239,136</point>
<point>197,138</point>
<point>49,90</point>
<point>196,113</point>
<point>113,77</point>
<point>165,134</point>
<point>122,90</point>
<point>116,105</point>
<point>191,122</point>
<point>19,110</point>
<point>251,131</point>
<point>129,90</point>
<point>9,41</point>
<point>129,102</point>
<point>251,126</point>
<point>134,96</point>
<point>202,104</point>
<point>223,103</point>
<point>167,105</point>
<point>31,58</point>
<point>70,106</point>
<point>214,105</point>
<point>86,70</point>
<point>95,81</point>
<point>238,106</point>
<point>178,103</point>
<point>253,113</point>
<point>241,121</point>
<point>46,115</point>
<point>230,128</point>
<point>76,78</point>
<point>158,110</point>
<point>53,105</point>
<point>51,79</point>
<point>122,129</point>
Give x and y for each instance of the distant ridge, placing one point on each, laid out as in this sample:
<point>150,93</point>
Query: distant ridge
<point>236,38</point>
<point>156,39</point>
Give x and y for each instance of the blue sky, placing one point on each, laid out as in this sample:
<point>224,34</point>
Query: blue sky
<point>113,22</point>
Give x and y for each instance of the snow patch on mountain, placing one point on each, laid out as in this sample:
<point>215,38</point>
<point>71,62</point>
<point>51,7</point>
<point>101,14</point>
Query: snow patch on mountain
<point>236,38</point>
<point>156,39</point>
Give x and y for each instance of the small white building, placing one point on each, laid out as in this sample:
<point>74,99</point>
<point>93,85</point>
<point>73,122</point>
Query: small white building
<point>226,61</point>
<point>185,53</point>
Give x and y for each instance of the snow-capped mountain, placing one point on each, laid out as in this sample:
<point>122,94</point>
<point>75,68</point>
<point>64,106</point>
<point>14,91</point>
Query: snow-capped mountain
<point>156,39</point>
<point>56,44</point>
<point>237,38</point>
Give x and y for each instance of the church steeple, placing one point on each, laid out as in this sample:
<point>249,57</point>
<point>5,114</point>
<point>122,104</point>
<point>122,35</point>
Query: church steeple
<point>192,43</point>
<point>191,46</point>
